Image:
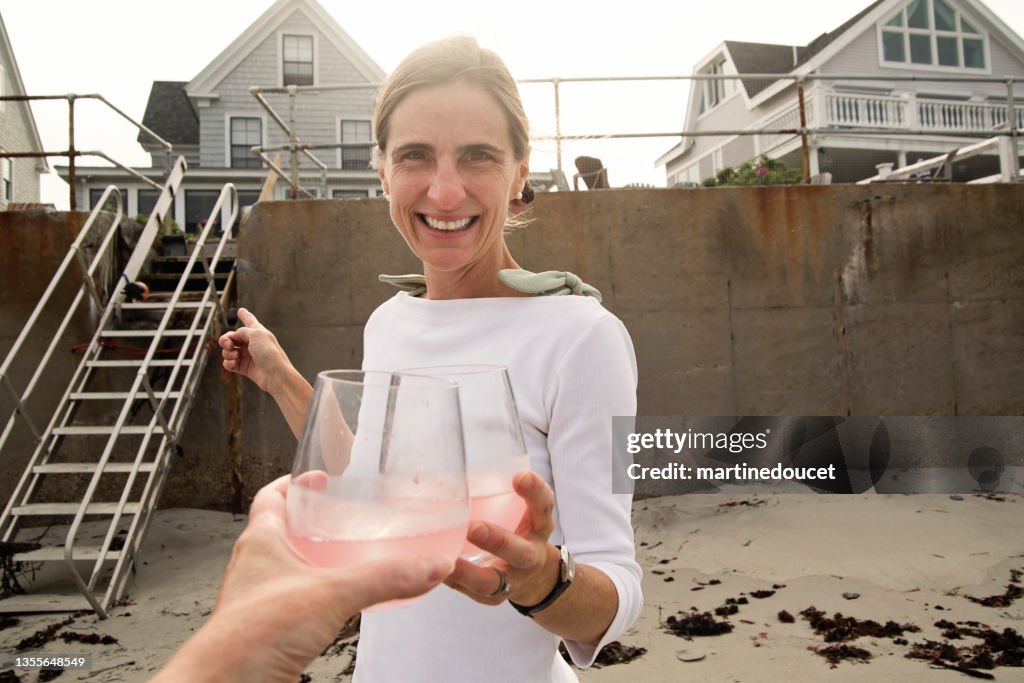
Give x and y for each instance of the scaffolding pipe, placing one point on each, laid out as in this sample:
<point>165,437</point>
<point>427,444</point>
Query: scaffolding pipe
<point>805,151</point>
<point>72,199</point>
<point>1011,121</point>
<point>558,123</point>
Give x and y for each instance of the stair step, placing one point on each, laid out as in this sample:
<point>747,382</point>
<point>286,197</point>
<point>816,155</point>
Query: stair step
<point>163,277</point>
<point>99,430</point>
<point>190,296</point>
<point>41,509</point>
<point>56,553</point>
<point>150,333</point>
<point>89,468</point>
<point>151,306</point>
<point>119,395</point>
<point>135,363</point>
<point>45,602</point>
<point>184,259</point>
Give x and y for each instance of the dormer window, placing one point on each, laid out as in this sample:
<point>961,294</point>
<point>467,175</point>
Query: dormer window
<point>714,90</point>
<point>932,33</point>
<point>297,65</point>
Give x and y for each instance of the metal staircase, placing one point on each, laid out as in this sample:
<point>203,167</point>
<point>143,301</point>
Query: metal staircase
<point>105,452</point>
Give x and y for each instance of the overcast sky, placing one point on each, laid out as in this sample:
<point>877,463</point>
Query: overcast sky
<point>119,47</point>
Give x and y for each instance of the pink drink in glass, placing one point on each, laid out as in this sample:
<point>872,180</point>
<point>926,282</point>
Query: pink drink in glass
<point>491,499</point>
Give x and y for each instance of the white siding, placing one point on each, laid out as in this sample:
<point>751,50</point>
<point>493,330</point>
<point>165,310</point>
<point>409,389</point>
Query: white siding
<point>16,136</point>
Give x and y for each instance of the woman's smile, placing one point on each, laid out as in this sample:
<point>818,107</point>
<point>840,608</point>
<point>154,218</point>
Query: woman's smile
<point>448,225</point>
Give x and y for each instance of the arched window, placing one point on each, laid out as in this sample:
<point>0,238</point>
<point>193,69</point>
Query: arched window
<point>932,33</point>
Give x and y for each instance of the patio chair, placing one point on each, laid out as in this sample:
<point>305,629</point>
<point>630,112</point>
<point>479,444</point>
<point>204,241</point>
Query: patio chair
<point>593,172</point>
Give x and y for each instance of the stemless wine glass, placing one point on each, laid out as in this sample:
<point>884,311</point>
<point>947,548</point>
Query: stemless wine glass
<point>379,471</point>
<point>495,448</point>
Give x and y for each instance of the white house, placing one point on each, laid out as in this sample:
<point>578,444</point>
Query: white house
<point>19,178</point>
<point>214,120</point>
<point>909,119</point>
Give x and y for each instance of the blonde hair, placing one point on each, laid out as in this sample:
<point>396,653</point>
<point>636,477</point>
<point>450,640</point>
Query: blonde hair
<point>445,61</point>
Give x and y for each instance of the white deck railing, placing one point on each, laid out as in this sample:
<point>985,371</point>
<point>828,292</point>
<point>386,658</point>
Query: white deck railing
<point>907,112</point>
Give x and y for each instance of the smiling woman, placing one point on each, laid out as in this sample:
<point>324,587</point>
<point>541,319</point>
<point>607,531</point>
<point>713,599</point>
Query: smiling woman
<point>451,172</point>
<point>454,162</point>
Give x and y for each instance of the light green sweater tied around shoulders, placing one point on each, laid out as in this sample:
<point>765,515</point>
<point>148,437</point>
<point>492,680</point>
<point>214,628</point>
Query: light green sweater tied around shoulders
<point>547,283</point>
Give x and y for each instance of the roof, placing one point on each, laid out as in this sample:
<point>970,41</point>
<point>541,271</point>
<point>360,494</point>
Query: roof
<point>762,58</point>
<point>207,80</point>
<point>826,39</point>
<point>19,89</point>
<point>170,114</point>
<point>770,58</point>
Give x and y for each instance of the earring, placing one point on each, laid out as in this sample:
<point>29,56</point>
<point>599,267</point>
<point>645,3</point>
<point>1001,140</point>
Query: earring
<point>519,196</point>
<point>387,197</point>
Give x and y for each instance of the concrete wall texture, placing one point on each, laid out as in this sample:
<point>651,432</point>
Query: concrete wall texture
<point>32,246</point>
<point>800,300</point>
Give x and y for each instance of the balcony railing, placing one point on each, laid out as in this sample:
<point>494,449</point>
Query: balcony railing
<point>907,112</point>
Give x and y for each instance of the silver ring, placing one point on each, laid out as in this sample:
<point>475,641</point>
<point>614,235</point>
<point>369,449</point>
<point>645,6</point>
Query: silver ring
<point>503,587</point>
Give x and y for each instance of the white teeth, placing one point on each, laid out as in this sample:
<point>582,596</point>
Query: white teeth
<point>447,225</point>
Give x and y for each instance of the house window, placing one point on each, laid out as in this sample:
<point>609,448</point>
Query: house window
<point>147,201</point>
<point>297,66</point>
<point>198,205</point>
<point>7,176</point>
<point>356,152</point>
<point>932,33</point>
<point>245,133</point>
<point>96,193</point>
<point>714,90</point>
<point>349,194</point>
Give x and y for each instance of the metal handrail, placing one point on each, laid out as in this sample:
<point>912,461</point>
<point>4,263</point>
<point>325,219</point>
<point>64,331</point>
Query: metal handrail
<point>74,252</point>
<point>803,130</point>
<point>71,153</point>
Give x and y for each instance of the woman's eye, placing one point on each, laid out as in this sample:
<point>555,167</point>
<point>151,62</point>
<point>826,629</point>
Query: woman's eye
<point>479,156</point>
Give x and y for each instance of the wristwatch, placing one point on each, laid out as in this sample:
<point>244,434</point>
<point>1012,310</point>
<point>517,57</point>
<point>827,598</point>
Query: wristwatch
<point>567,572</point>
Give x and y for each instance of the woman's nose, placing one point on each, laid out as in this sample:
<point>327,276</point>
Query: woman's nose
<point>446,187</point>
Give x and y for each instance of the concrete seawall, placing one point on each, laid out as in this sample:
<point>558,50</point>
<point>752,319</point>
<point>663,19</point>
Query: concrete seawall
<point>801,300</point>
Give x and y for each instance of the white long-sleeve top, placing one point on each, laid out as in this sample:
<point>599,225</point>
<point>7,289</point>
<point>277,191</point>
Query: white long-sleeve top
<point>572,367</point>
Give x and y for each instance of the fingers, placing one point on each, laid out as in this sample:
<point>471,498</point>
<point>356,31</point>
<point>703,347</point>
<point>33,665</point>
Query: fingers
<point>478,583</point>
<point>365,585</point>
<point>540,503</point>
<point>518,551</point>
<point>248,319</point>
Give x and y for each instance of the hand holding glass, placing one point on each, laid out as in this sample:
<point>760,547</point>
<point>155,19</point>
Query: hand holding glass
<point>379,471</point>
<point>495,448</point>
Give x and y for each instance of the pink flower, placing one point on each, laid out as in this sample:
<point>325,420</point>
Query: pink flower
<point>761,171</point>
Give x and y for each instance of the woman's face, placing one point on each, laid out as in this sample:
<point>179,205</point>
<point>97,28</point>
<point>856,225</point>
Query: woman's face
<point>451,172</point>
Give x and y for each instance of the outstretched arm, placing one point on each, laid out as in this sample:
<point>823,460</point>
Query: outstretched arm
<point>254,352</point>
<point>275,613</point>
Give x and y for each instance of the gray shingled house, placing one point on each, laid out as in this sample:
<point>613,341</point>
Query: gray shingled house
<point>214,121</point>
<point>912,119</point>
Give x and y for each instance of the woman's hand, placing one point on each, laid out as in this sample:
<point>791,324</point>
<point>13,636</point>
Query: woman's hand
<point>253,351</point>
<point>529,560</point>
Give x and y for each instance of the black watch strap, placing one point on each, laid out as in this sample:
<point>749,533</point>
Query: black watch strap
<point>566,573</point>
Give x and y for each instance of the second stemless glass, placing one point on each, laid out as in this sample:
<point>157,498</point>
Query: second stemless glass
<point>379,471</point>
<point>495,448</point>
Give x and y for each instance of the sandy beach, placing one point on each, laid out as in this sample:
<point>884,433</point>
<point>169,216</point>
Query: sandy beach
<point>914,560</point>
